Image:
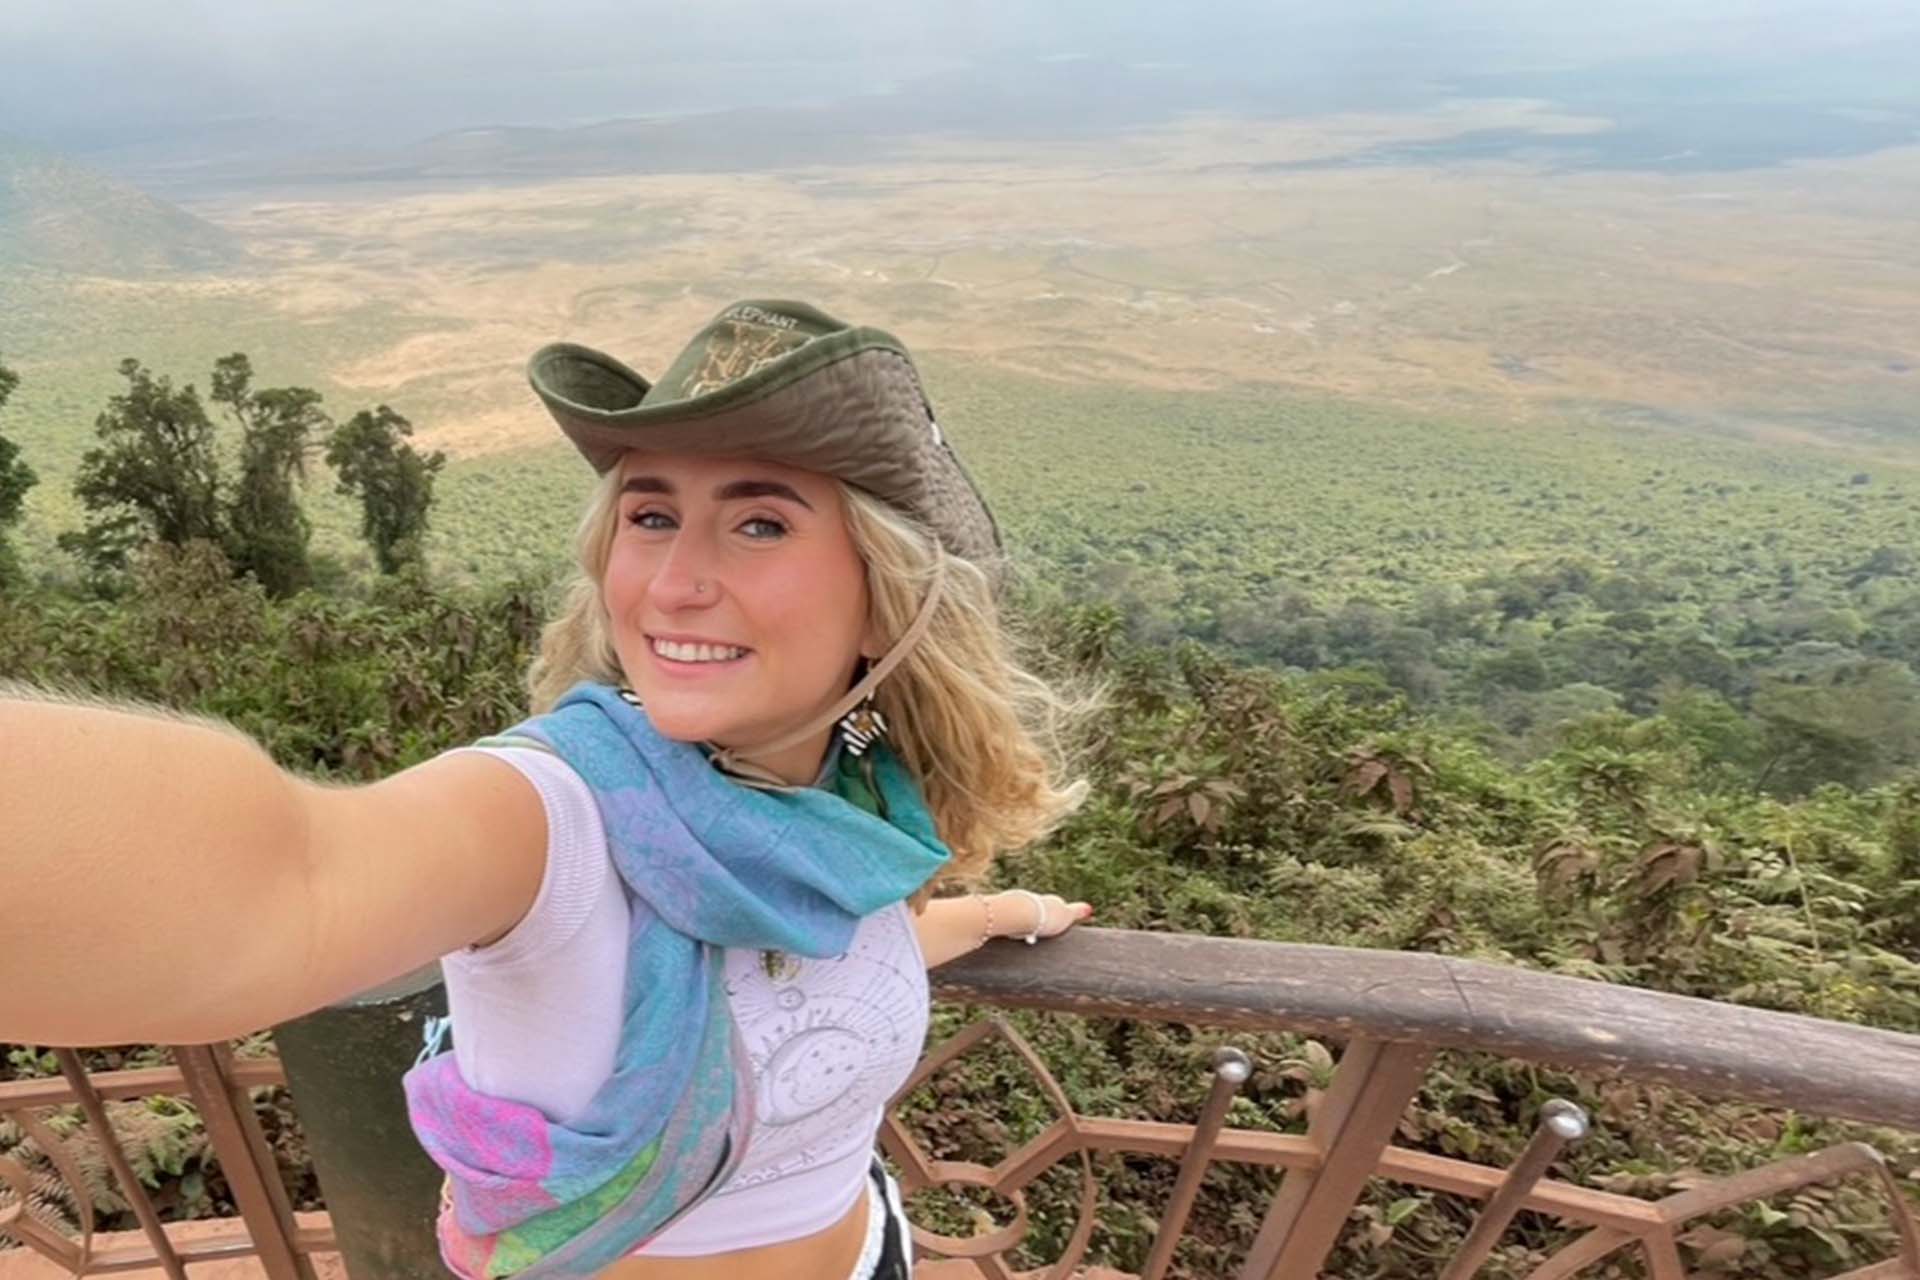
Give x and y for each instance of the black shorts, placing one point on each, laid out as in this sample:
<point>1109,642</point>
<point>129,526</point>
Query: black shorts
<point>895,1258</point>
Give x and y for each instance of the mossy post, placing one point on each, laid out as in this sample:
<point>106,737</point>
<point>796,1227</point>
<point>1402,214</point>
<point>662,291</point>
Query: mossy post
<point>343,1066</point>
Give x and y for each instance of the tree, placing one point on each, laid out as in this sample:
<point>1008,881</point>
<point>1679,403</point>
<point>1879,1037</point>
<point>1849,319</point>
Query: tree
<point>1589,653</point>
<point>16,477</point>
<point>392,480</point>
<point>1855,723</point>
<point>1514,668</point>
<point>267,532</point>
<point>1728,741</point>
<point>154,474</point>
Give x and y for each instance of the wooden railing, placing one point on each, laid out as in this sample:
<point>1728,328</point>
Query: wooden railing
<point>1393,1011</point>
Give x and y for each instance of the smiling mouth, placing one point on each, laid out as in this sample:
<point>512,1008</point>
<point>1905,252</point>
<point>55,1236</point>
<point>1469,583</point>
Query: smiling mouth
<point>676,651</point>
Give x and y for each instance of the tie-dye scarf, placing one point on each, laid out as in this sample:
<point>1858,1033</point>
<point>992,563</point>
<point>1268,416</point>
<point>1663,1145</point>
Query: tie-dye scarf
<point>708,864</point>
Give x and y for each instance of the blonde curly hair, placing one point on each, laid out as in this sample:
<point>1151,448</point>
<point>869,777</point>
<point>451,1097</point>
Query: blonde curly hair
<point>985,738</point>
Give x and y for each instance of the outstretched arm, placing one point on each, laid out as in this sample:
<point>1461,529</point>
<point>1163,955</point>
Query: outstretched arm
<point>951,927</point>
<point>165,881</point>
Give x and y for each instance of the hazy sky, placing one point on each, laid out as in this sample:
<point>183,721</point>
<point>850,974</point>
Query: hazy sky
<point>102,74</point>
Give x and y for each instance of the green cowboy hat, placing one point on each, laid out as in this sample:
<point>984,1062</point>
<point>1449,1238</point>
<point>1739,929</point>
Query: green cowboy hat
<point>786,382</point>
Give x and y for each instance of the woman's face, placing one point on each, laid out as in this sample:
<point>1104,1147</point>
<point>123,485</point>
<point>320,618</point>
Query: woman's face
<point>737,599</point>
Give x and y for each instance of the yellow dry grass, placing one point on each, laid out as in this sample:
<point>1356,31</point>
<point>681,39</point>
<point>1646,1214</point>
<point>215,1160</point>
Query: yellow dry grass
<point>1170,258</point>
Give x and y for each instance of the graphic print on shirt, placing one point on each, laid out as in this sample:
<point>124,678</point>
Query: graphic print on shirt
<point>831,1040</point>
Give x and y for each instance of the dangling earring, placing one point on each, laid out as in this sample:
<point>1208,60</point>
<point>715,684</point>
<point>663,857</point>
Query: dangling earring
<point>861,727</point>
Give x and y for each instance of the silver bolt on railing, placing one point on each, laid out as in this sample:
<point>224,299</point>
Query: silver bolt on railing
<point>1561,1122</point>
<point>1231,1069</point>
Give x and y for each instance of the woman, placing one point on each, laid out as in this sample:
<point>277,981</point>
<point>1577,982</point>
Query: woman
<point>672,908</point>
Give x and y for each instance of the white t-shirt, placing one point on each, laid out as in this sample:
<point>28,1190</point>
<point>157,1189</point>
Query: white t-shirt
<point>536,1018</point>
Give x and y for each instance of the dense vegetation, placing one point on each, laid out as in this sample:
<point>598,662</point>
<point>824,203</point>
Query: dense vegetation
<point>1236,802</point>
<point>1512,580</point>
<point>1501,733</point>
<point>1516,580</point>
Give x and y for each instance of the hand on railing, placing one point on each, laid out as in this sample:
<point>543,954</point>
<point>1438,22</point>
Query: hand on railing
<point>951,927</point>
<point>1035,915</point>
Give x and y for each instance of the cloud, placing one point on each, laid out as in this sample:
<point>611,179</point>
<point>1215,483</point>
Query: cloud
<point>87,73</point>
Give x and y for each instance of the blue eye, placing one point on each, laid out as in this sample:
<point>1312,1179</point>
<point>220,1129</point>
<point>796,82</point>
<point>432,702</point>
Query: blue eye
<point>763,528</point>
<point>644,519</point>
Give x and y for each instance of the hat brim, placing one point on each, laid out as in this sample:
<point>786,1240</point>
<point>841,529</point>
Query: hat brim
<point>849,405</point>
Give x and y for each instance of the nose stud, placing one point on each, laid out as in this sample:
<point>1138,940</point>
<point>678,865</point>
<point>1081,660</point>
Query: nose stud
<point>699,588</point>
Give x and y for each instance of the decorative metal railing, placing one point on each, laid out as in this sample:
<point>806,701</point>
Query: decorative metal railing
<point>1393,1011</point>
<point>218,1085</point>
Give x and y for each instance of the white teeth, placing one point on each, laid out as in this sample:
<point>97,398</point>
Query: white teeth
<point>677,652</point>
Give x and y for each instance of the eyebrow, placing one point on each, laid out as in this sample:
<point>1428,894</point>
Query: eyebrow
<point>727,492</point>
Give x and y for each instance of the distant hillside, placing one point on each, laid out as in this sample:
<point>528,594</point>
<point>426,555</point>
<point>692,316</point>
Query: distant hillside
<point>59,214</point>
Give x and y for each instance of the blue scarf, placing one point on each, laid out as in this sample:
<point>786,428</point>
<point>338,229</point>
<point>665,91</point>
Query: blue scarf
<point>708,864</point>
